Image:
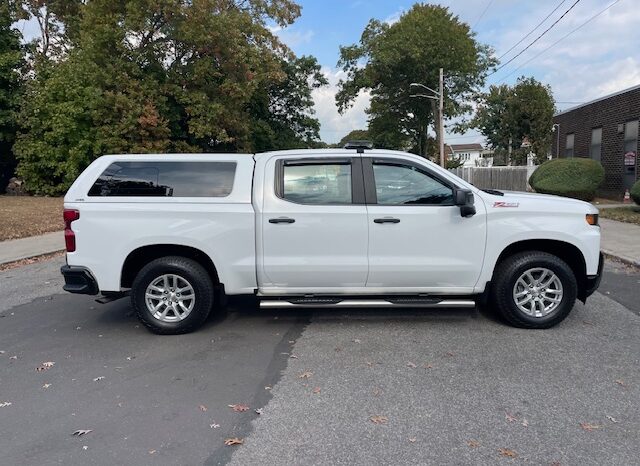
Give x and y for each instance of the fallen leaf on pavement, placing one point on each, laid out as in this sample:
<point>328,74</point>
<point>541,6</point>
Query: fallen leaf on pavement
<point>151,452</point>
<point>427,366</point>
<point>239,408</point>
<point>4,404</point>
<point>98,379</point>
<point>293,356</point>
<point>413,439</point>
<point>13,357</point>
<point>203,408</point>
<point>508,453</point>
<point>214,425</point>
<point>379,419</point>
<point>81,432</point>
<point>612,419</point>
<point>46,385</point>
<point>473,443</point>
<point>449,354</point>
<point>377,391</point>
<point>369,363</point>
<point>45,366</point>
<point>411,365</point>
<point>621,383</point>
<point>258,411</point>
<point>316,390</point>
<point>233,441</point>
<point>357,340</point>
<point>589,427</point>
<point>510,417</point>
<point>267,387</point>
<point>525,423</point>
<point>305,375</point>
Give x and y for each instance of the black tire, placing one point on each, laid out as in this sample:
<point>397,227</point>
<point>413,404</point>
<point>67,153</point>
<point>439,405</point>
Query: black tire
<point>187,269</point>
<point>511,269</point>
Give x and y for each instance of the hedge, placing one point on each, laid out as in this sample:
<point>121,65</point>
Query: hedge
<point>575,177</point>
<point>635,192</point>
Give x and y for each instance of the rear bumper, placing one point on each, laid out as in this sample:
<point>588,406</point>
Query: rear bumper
<point>78,280</point>
<point>593,281</point>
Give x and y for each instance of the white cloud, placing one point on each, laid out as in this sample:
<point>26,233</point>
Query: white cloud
<point>334,125</point>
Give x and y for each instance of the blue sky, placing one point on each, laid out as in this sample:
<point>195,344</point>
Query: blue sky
<point>600,58</point>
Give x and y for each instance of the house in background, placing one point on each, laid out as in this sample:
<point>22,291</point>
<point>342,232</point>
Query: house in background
<point>471,155</point>
<point>606,130</point>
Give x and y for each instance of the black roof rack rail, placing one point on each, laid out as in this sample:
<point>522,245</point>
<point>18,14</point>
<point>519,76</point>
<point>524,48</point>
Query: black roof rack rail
<point>359,145</point>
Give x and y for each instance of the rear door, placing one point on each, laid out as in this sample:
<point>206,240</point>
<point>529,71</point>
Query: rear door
<point>418,240</point>
<point>314,225</point>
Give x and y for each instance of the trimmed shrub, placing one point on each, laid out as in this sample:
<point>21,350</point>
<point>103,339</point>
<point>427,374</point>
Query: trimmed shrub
<point>576,177</point>
<point>635,192</point>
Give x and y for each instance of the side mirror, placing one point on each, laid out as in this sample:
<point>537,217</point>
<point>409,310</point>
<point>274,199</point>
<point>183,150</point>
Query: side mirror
<point>464,199</point>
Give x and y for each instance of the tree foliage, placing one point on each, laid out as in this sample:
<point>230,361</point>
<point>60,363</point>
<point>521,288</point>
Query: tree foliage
<point>354,135</point>
<point>391,57</point>
<point>11,83</point>
<point>517,112</point>
<point>160,75</point>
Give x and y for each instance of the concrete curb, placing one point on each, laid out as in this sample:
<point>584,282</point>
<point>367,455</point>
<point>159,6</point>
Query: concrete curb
<point>34,246</point>
<point>620,258</point>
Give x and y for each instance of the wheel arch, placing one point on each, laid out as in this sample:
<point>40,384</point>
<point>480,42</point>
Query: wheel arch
<point>141,256</point>
<point>568,252</point>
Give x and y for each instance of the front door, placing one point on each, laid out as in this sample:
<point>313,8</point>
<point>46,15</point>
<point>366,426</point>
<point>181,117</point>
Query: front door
<point>417,238</point>
<point>314,226</point>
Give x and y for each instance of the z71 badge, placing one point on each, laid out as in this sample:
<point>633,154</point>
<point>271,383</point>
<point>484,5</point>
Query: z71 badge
<point>506,204</point>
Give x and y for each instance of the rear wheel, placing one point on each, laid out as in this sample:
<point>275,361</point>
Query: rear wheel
<point>172,295</point>
<point>534,289</point>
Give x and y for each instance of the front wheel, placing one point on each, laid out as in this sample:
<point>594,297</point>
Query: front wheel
<point>172,295</point>
<point>534,289</point>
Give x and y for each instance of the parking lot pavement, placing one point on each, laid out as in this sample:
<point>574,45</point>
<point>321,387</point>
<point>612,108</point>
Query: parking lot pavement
<point>147,399</point>
<point>456,388</point>
<point>446,387</point>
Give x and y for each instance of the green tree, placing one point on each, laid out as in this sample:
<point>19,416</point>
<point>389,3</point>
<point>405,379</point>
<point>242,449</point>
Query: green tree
<point>11,84</point>
<point>391,57</point>
<point>282,111</point>
<point>513,113</point>
<point>160,75</point>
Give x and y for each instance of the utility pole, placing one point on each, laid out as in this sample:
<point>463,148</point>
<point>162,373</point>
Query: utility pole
<point>439,96</point>
<point>441,118</point>
<point>509,153</point>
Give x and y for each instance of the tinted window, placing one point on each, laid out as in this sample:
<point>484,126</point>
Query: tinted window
<point>407,185</point>
<point>596,144</point>
<point>166,179</point>
<point>569,145</point>
<point>317,183</point>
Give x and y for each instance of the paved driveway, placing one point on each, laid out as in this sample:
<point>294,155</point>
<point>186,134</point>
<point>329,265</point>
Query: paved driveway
<point>447,387</point>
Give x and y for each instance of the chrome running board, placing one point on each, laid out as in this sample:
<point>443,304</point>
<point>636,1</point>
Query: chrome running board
<point>368,303</point>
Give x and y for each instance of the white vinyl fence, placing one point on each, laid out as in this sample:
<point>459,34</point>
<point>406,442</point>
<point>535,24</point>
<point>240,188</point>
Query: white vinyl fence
<point>507,178</point>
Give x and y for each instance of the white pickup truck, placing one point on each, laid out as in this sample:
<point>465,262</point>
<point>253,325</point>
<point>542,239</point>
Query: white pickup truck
<point>321,228</point>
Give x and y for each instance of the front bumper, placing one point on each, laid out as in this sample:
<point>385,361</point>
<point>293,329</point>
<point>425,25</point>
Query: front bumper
<point>593,281</point>
<point>78,280</point>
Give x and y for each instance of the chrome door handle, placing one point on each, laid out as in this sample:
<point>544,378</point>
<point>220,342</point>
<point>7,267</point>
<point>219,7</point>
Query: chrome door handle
<point>281,220</point>
<point>387,220</point>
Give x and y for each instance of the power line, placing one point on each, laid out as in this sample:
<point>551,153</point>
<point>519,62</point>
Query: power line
<point>531,32</point>
<point>536,39</point>
<point>559,40</point>
<point>482,14</point>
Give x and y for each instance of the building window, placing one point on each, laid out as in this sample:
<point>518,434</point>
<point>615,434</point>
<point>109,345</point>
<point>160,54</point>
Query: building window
<point>568,151</point>
<point>596,144</point>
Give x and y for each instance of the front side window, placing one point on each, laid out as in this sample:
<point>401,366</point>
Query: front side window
<point>398,184</point>
<point>569,145</point>
<point>166,179</point>
<point>317,183</point>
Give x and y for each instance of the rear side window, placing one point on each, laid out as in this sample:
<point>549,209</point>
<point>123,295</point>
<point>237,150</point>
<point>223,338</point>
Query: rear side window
<point>317,183</point>
<point>166,179</point>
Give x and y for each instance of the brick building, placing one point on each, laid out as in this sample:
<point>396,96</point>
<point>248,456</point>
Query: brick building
<point>605,129</point>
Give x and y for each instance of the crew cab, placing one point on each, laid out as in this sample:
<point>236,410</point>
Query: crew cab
<point>321,228</point>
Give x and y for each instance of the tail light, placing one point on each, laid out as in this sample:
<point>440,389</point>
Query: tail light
<point>69,215</point>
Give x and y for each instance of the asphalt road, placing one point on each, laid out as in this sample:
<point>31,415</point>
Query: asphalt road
<point>448,387</point>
